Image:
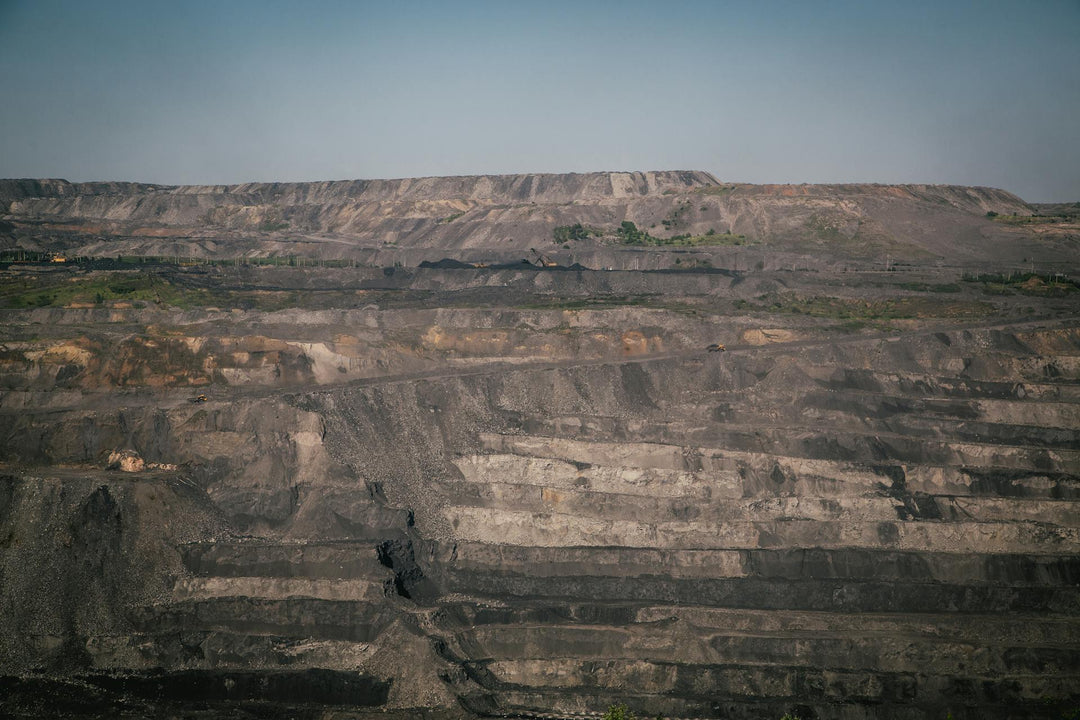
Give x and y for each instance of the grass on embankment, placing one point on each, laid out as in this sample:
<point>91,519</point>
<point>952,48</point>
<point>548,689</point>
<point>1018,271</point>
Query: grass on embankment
<point>138,290</point>
<point>628,234</point>
<point>854,311</point>
<point>1025,283</point>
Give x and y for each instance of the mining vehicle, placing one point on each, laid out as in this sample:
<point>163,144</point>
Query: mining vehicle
<point>542,260</point>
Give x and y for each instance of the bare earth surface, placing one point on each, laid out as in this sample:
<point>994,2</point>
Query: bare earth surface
<point>344,450</point>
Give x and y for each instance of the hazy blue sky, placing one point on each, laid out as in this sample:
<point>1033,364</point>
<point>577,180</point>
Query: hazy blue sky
<point>983,92</point>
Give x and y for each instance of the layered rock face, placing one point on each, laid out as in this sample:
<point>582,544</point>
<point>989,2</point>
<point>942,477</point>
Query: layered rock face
<point>324,493</point>
<point>497,218</point>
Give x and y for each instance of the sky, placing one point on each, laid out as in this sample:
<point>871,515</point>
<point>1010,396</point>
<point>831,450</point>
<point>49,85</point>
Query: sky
<point>979,92</point>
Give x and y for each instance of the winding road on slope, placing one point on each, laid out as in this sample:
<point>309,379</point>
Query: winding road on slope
<point>172,397</point>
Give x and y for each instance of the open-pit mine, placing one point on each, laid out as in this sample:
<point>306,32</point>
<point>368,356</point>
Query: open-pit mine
<point>537,445</point>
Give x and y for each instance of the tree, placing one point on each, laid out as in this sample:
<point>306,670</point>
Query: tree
<point>628,232</point>
<point>577,231</point>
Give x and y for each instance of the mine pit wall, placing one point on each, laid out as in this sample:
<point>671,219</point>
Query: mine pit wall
<point>859,530</point>
<point>499,219</point>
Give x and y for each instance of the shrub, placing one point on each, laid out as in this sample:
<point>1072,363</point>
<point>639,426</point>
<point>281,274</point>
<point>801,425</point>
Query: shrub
<point>577,231</point>
<point>628,232</point>
<point>618,712</point>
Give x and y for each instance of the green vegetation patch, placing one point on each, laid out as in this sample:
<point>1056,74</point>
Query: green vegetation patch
<point>86,290</point>
<point>577,231</point>
<point>1028,219</point>
<point>676,216</point>
<point>710,238</point>
<point>143,289</point>
<point>619,712</point>
<point>716,190</point>
<point>854,309</point>
<point>629,234</point>
<point>1026,283</point>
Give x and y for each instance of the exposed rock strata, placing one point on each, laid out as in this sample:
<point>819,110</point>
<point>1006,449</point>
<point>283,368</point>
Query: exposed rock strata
<point>518,491</point>
<point>498,218</point>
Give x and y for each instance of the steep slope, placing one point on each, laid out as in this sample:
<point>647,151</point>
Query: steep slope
<point>499,218</point>
<point>515,492</point>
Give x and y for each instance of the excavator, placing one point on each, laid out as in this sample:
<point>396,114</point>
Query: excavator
<point>542,260</point>
<point>716,347</point>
